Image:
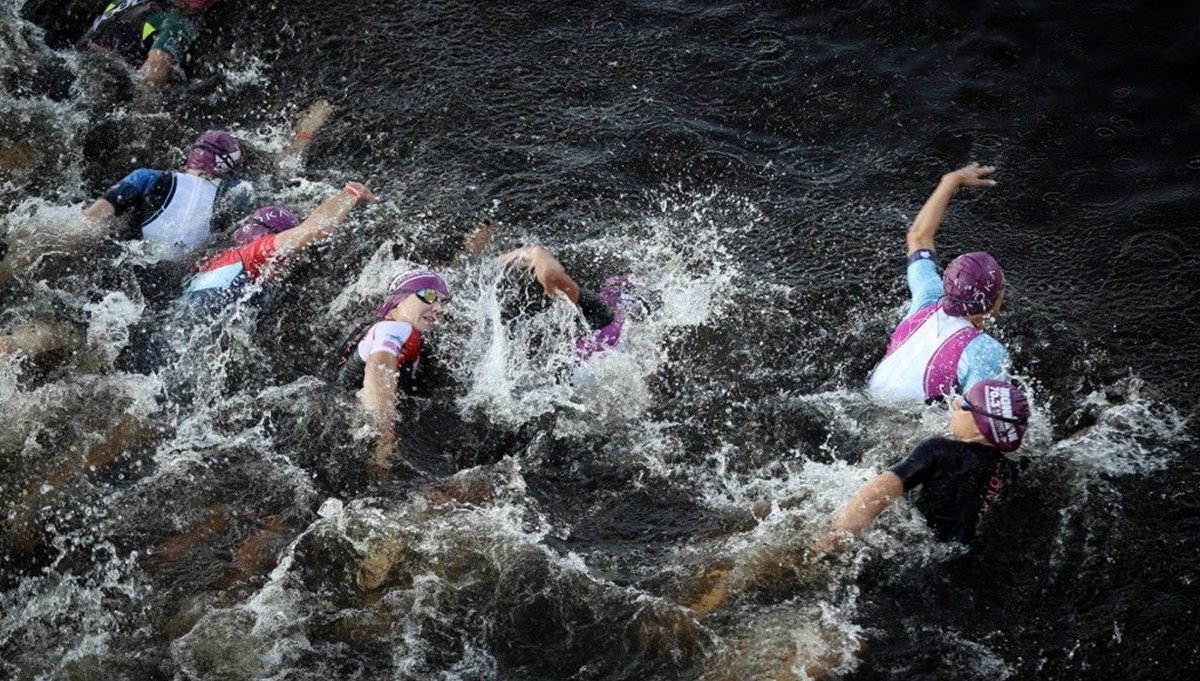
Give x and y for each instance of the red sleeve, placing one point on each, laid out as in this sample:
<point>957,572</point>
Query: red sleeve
<point>256,254</point>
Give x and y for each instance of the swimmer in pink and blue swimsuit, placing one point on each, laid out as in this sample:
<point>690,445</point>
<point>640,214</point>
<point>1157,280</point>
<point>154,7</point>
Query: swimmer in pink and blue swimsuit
<point>940,349</point>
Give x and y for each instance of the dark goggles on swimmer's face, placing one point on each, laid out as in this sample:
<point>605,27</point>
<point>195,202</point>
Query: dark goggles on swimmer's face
<point>429,296</point>
<point>964,405</point>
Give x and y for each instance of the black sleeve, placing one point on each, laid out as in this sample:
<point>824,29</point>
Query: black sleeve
<point>597,312</point>
<point>915,469</point>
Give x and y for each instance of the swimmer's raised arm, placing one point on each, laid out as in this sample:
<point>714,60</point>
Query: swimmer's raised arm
<point>308,123</point>
<point>925,226</point>
<point>549,271</point>
<point>866,505</point>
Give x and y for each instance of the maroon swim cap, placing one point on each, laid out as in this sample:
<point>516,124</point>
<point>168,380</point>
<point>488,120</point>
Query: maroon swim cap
<point>216,152</point>
<point>264,221</point>
<point>1001,413</point>
<point>972,283</point>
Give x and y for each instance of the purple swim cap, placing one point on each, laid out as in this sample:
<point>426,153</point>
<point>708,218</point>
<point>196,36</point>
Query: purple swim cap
<point>1001,413</point>
<point>216,152</point>
<point>264,221</point>
<point>407,284</point>
<point>972,283</point>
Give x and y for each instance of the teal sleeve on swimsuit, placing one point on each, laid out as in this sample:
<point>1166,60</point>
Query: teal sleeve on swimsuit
<point>983,358</point>
<point>924,282</point>
<point>173,34</point>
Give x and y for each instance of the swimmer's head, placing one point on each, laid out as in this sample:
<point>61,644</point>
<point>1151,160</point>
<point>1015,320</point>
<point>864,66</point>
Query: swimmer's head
<point>415,297</point>
<point>264,221</point>
<point>973,285</point>
<point>621,294</point>
<point>215,152</point>
<point>999,411</point>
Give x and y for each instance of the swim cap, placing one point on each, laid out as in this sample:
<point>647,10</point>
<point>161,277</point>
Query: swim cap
<point>216,152</point>
<point>407,284</point>
<point>1001,413</point>
<point>264,221</point>
<point>620,293</point>
<point>973,283</point>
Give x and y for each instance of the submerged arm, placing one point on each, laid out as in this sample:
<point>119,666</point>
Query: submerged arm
<point>156,70</point>
<point>99,213</point>
<point>309,122</point>
<point>929,220</point>
<point>866,505</point>
<point>379,401</point>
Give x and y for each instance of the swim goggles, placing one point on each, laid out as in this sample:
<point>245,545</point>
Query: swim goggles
<point>964,405</point>
<point>430,296</point>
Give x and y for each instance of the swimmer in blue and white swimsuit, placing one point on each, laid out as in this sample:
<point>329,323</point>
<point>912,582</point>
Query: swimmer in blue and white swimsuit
<point>175,210</point>
<point>940,348</point>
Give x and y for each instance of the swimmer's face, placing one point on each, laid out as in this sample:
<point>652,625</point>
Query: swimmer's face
<point>962,423</point>
<point>999,304</point>
<point>422,315</point>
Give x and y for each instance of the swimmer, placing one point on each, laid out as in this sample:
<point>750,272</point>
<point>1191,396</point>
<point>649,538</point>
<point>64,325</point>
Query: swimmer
<point>175,210</point>
<point>154,35</point>
<point>605,311</point>
<point>940,348</point>
<point>383,354</point>
<point>962,477</point>
<point>267,239</point>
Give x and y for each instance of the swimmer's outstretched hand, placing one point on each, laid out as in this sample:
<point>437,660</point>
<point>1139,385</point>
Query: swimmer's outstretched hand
<point>973,175</point>
<point>549,271</point>
<point>313,117</point>
<point>826,543</point>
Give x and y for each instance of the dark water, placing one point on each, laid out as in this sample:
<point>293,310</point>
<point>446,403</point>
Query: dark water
<point>757,164</point>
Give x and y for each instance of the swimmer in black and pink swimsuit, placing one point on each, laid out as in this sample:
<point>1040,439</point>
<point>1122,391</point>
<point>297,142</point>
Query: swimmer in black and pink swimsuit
<point>959,478</point>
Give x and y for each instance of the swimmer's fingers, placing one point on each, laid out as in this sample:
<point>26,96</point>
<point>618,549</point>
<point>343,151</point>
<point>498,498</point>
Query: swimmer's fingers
<point>975,175</point>
<point>825,543</point>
